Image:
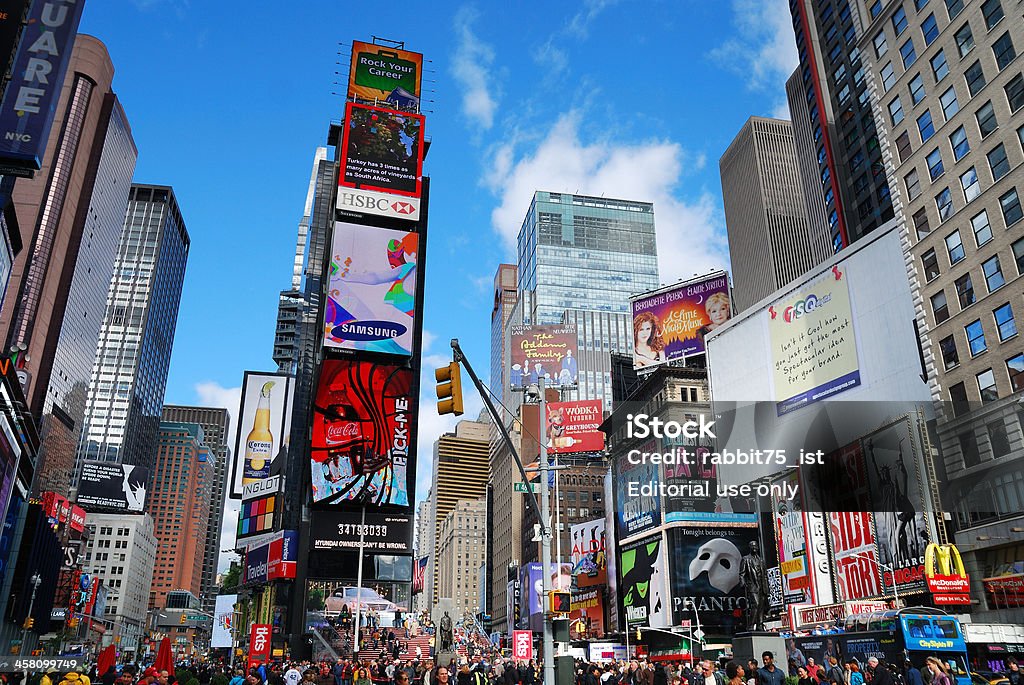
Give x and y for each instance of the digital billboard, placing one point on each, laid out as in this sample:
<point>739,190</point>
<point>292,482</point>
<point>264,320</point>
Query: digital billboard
<point>383,73</point>
<point>260,428</point>
<point>636,514</point>
<point>671,324</point>
<point>548,352</point>
<point>361,443</point>
<point>381,166</point>
<point>642,565</point>
<point>589,553</point>
<point>382,532</point>
<point>371,291</point>
<point>574,427</point>
<point>107,486</point>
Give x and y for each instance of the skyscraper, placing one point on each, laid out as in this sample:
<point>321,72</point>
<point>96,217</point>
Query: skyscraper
<point>71,216</point>
<point>122,416</point>
<point>461,545</point>
<point>215,423</point>
<point>765,214</point>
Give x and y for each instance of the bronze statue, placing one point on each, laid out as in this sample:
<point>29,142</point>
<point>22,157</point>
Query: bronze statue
<point>446,635</point>
<point>754,578</point>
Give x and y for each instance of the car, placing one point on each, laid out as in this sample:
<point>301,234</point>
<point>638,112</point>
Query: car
<point>988,678</point>
<point>368,599</point>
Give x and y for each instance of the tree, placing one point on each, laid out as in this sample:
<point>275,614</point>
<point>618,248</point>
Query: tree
<point>230,581</point>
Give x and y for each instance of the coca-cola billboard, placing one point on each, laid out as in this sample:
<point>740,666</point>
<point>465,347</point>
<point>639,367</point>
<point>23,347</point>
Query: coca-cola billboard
<point>362,446</point>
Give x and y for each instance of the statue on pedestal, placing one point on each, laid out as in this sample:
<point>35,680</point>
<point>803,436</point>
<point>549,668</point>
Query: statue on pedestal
<point>754,578</point>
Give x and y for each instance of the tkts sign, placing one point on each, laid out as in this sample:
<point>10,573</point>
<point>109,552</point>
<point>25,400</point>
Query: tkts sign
<point>259,644</point>
<point>945,574</point>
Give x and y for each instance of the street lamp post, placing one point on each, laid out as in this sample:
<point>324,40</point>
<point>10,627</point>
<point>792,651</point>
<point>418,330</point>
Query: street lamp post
<point>36,581</point>
<point>890,569</point>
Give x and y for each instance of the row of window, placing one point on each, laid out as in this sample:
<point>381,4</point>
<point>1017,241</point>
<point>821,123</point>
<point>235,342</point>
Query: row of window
<point>1005,327</point>
<point>986,381</point>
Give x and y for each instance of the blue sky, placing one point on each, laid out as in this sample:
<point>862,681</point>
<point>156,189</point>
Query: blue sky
<point>228,101</point>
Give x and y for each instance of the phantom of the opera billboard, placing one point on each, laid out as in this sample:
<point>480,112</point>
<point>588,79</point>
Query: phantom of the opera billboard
<point>361,447</point>
<point>371,292</point>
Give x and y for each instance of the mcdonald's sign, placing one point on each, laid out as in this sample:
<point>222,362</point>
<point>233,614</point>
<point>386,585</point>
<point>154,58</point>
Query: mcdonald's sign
<point>945,574</point>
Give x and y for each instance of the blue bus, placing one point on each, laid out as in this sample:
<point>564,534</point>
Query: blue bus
<point>914,633</point>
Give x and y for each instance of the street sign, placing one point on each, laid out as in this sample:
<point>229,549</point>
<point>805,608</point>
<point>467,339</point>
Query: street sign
<point>698,635</point>
<point>525,487</point>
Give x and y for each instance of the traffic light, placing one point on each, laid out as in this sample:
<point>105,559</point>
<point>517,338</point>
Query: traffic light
<point>29,623</point>
<point>73,623</point>
<point>449,389</point>
<point>639,635</point>
<point>560,601</point>
<point>183,619</point>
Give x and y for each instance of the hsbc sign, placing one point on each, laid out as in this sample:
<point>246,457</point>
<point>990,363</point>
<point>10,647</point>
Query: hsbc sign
<point>380,204</point>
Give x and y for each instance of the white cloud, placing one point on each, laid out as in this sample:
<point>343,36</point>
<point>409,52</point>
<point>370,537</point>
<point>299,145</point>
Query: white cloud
<point>579,25</point>
<point>690,234</point>
<point>764,47</point>
<point>213,394</point>
<point>428,340</point>
<point>471,67</point>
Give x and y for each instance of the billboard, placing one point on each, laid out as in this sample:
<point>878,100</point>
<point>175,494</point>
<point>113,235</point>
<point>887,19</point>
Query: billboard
<point>261,425</point>
<point>371,292</point>
<point>361,444</point>
<point>708,567</point>
<point>586,613</point>
<point>383,531</point>
<point>259,644</point>
<point>791,539</point>
<point>381,166</point>
<point>671,324</point>
<point>223,621</point>
<point>29,103</point>
<point>589,553</point>
<point>10,452</point>
<point>522,645</point>
<point>256,516</point>
<point>379,72</point>
<point>272,560</point>
<point>850,526</point>
<point>642,565</point>
<point>419,575</point>
<point>107,486</point>
<point>636,514</point>
<point>532,579</point>
<point>813,346</point>
<point>548,352</point>
<point>574,427</point>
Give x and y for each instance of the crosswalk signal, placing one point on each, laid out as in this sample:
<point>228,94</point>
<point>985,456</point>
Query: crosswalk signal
<point>560,602</point>
<point>449,389</point>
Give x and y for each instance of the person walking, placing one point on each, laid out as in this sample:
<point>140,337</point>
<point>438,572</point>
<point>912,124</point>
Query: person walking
<point>769,674</point>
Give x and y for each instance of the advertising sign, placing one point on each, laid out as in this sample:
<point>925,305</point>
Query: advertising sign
<point>522,645</point>
<point>29,103</point>
<point>548,352</point>
<point>10,452</point>
<point>107,486</point>
<point>381,162</point>
<point>272,560</point>
<point>11,14</point>
<point>1005,591</point>
<point>532,594</point>
<point>589,553</point>
<point>223,621</point>
<point>814,351</point>
<point>259,644</point>
<point>642,565</point>
<point>371,292</point>
<point>384,73</point>
<point>855,555</point>
<point>383,532</point>
<point>709,565</point>
<point>636,514</point>
<point>791,538</point>
<point>261,425</point>
<point>944,570</point>
<point>574,427</point>
<point>419,575</point>
<point>586,613</point>
<point>256,516</point>
<point>362,437</point>
<point>514,598</point>
<point>671,324</point>
<point>809,616</point>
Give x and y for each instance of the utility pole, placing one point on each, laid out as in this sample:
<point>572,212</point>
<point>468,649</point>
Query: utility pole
<point>545,544</point>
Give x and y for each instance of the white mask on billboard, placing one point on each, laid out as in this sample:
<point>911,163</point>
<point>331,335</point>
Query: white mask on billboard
<point>721,560</point>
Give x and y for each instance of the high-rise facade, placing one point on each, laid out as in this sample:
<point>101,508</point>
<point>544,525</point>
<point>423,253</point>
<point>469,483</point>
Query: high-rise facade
<point>770,237</point>
<point>71,217</point>
<point>461,551</point>
<point>425,546</point>
<point>126,393</point>
<point>182,488</point>
<point>505,297</point>
<point>214,422</point>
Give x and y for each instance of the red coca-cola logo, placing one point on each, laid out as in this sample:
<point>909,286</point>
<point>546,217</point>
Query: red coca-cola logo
<point>340,432</point>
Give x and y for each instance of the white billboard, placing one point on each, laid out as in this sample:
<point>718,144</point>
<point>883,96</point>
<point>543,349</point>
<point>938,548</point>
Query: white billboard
<point>223,621</point>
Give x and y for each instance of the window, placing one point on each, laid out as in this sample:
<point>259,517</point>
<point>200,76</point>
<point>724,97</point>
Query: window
<point>935,164</point>
<point>939,66</point>
<point>925,126</point>
<point>958,141</point>
<point>876,8</point>
<point>920,4</point>
<point>921,223</point>
<point>931,265</point>
<point>998,163</point>
<point>944,203</point>
<point>982,228</point>
<point>913,184</point>
<point>1015,95</point>
<point>903,145</point>
<point>964,291</point>
<point>930,29</point>
<point>975,338</point>
<point>993,273</point>
<point>964,40</point>
<point>899,20</point>
<point>958,395</point>
<point>910,55</point>
<point>1010,204</point>
<point>987,386</point>
<point>950,356</point>
<point>998,439</point>
<point>1018,255</point>
<point>888,77</point>
<point>993,11</point>
<point>986,119</point>
<point>896,111</point>
<point>969,182</point>
<point>917,89</point>
<point>1003,50</point>
<point>939,307</point>
<point>881,46</point>
<point>954,7</point>
<point>975,77</point>
<point>950,106</point>
<point>1004,321</point>
<point>1015,369</point>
